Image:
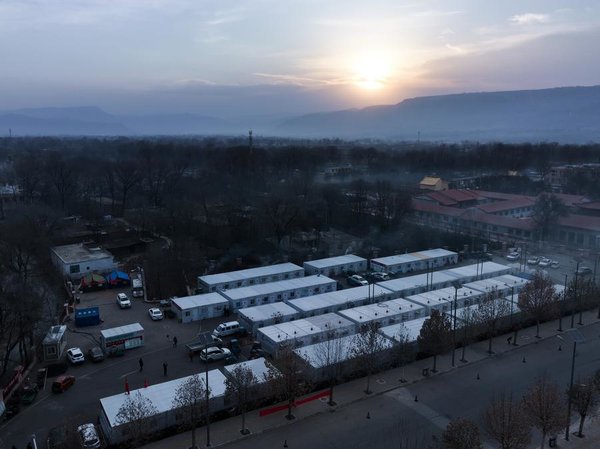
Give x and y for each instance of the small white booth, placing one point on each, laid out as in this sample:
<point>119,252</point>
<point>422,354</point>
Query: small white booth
<point>123,337</point>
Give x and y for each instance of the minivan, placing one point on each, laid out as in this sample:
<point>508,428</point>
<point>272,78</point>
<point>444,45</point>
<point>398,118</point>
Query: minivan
<point>229,328</point>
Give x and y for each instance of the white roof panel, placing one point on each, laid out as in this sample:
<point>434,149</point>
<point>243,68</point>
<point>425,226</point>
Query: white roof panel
<point>371,312</point>
<point>259,367</point>
<point>191,302</point>
<point>275,287</point>
<point>335,261</point>
<point>305,327</point>
<point>267,311</point>
<point>314,354</point>
<point>233,276</point>
<point>127,329</point>
<point>410,328</point>
<point>162,394</point>
<point>413,257</point>
<point>338,297</point>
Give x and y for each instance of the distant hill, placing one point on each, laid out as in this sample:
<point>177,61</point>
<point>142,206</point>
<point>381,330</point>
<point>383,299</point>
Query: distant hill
<point>570,114</point>
<point>91,120</point>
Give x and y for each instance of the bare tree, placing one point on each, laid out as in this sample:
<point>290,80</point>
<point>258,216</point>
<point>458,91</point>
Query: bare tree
<point>548,208</point>
<point>367,347</point>
<point>539,299</point>
<point>469,323</point>
<point>489,312</point>
<point>584,397</point>
<point>545,408</point>
<point>128,176</point>
<point>504,421</point>
<point>240,386</point>
<point>331,355</point>
<point>190,400</point>
<point>461,434</point>
<point>286,380</point>
<point>403,349</point>
<point>135,414</point>
<point>434,338</point>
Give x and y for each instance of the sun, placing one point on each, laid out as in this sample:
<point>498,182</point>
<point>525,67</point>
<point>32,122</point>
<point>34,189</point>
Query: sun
<point>371,73</point>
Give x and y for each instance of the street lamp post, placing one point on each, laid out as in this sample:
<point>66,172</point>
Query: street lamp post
<point>456,286</point>
<point>575,294</point>
<point>576,337</point>
<point>562,306</point>
<point>466,324</point>
<point>207,397</point>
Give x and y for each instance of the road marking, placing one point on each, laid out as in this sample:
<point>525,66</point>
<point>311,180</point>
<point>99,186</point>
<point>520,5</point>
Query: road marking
<point>128,374</point>
<point>426,412</point>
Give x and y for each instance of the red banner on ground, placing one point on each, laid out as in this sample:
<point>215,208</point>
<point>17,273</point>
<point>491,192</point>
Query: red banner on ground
<point>278,408</point>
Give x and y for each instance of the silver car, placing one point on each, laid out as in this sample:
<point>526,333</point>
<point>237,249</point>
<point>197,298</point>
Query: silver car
<point>89,436</point>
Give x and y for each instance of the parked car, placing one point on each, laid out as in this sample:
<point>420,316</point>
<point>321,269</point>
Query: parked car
<point>513,257</point>
<point>75,356</point>
<point>155,314</point>
<point>213,354</point>
<point>88,436</point>
<point>96,354</point>
<point>533,260</point>
<point>544,262</point>
<point>379,276</point>
<point>357,280</point>
<point>123,301</point>
<point>582,271</point>
<point>554,264</point>
<point>62,383</point>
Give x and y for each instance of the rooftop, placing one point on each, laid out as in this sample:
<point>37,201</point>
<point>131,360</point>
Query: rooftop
<point>278,286</point>
<point>305,327</point>
<point>413,257</point>
<point>334,261</point>
<point>79,252</point>
<point>336,298</point>
<point>260,367</point>
<point>191,302</point>
<point>267,311</point>
<point>233,276</point>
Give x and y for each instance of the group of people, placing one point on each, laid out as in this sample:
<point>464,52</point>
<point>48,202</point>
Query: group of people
<point>165,364</point>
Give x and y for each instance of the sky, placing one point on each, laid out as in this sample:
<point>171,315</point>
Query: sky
<point>284,57</point>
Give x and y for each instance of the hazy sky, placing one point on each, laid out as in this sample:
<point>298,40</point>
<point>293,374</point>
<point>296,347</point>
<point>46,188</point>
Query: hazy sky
<point>237,57</point>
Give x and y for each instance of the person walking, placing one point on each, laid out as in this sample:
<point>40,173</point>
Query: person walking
<point>141,362</point>
<point>174,342</point>
<point>165,366</point>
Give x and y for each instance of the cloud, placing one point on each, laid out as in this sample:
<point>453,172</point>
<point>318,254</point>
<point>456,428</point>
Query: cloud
<point>529,18</point>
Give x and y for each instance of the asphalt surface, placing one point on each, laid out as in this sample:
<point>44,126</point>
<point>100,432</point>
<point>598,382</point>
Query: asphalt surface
<point>396,421</point>
<point>80,404</point>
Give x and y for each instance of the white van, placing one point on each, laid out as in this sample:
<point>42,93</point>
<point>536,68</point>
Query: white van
<point>229,328</point>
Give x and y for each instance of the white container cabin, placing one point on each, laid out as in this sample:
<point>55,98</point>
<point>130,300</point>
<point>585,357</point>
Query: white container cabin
<point>335,266</point>
<point>251,276</point>
<point>412,262</point>
<point>199,307</point>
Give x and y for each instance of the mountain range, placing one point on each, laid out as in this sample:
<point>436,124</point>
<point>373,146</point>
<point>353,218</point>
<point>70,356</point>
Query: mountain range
<point>568,114</point>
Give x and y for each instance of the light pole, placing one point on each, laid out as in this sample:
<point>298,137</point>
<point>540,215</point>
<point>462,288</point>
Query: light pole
<point>207,397</point>
<point>512,300</point>
<point>466,324</point>
<point>456,286</point>
<point>576,337</point>
<point>562,307</point>
<point>575,294</point>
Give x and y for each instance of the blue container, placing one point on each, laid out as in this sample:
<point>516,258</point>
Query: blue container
<point>87,317</point>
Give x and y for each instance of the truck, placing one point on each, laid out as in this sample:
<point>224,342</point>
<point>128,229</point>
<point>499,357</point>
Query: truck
<point>202,341</point>
<point>137,288</point>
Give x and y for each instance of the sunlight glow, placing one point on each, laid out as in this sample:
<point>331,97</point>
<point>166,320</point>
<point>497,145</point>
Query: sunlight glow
<point>371,73</point>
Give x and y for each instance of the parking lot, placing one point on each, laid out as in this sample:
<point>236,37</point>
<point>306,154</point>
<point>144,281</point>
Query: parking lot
<point>80,404</point>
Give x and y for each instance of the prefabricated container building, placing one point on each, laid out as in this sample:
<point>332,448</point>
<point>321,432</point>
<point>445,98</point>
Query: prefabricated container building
<point>384,313</point>
<point>419,261</point>
<point>253,318</point>
<point>251,276</point>
<point>123,337</point>
<point>334,266</point>
<point>243,297</point>
<point>340,300</point>
<point>199,307</point>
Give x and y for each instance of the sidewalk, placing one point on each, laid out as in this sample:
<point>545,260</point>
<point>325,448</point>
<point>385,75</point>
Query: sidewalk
<point>228,430</point>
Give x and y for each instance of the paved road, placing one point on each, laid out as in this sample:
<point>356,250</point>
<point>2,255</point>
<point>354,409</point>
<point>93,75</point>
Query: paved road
<point>398,422</point>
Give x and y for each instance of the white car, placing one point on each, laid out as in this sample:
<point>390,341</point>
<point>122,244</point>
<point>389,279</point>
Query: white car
<point>380,276</point>
<point>513,257</point>
<point>213,353</point>
<point>555,264</point>
<point>534,260</point>
<point>545,262</point>
<point>155,314</point>
<point>75,356</point>
<point>123,301</point>
<point>357,280</point>
<point>89,436</point>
